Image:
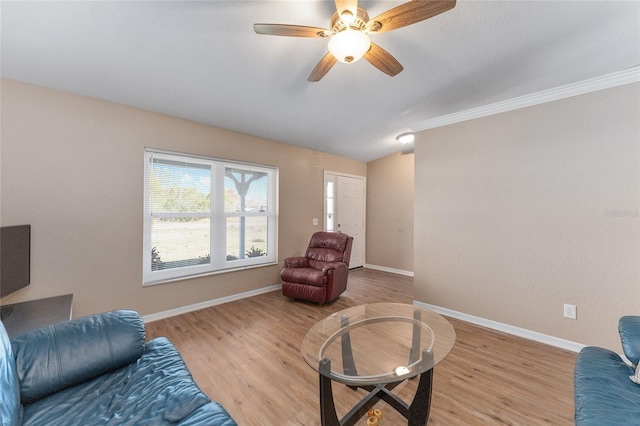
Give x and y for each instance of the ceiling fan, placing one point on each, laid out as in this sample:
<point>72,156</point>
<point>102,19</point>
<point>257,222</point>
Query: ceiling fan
<point>350,28</point>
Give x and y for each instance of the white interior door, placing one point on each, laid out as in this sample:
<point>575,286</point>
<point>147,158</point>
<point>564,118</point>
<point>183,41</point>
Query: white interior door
<point>350,215</point>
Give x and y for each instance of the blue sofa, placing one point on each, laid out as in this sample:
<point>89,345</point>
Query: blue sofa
<point>98,370</point>
<point>604,394</point>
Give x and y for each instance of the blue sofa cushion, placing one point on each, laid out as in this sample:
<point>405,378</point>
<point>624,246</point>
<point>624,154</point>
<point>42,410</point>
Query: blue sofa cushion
<point>10,407</point>
<point>56,357</point>
<point>211,414</point>
<point>157,389</point>
<point>629,329</point>
<point>604,395</point>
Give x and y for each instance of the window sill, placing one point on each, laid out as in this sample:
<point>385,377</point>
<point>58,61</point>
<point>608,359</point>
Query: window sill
<point>206,274</point>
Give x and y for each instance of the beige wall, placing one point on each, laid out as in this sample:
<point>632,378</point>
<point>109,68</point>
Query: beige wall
<point>390,212</point>
<point>521,212</point>
<point>72,167</point>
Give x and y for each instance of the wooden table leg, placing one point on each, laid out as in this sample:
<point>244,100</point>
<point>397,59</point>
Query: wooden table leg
<point>419,408</point>
<point>328,416</point>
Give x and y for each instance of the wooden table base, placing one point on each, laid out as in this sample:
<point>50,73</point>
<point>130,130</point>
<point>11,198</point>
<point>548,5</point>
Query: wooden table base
<point>417,413</point>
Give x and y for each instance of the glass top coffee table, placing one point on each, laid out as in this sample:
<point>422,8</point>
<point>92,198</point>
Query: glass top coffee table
<point>376,347</point>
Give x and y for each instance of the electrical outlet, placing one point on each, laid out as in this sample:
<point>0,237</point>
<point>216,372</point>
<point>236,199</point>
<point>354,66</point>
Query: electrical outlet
<point>569,311</point>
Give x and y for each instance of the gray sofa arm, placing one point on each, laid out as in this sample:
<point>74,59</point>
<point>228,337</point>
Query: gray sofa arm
<point>59,356</point>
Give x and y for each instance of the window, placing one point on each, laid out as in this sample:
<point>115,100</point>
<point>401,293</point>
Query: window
<point>329,204</point>
<point>204,215</point>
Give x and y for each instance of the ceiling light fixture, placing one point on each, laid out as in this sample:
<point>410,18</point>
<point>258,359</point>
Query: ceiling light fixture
<point>405,138</point>
<point>349,45</point>
<point>350,29</point>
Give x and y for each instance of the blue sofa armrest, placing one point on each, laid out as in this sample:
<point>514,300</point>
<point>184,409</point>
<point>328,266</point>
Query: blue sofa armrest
<point>629,329</point>
<point>59,356</point>
<point>10,407</point>
<point>604,394</point>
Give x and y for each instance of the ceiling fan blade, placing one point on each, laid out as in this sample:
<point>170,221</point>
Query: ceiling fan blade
<point>409,13</point>
<point>291,30</point>
<point>323,67</point>
<point>350,5</point>
<point>381,59</point>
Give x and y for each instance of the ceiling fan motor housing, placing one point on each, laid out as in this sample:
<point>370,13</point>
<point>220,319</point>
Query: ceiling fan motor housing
<point>359,21</point>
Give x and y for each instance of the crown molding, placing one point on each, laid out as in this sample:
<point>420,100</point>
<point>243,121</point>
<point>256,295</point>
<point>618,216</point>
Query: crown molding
<point>631,75</point>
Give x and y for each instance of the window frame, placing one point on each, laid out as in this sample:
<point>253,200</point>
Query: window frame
<point>217,219</point>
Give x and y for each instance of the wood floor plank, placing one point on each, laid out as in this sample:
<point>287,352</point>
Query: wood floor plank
<point>246,355</point>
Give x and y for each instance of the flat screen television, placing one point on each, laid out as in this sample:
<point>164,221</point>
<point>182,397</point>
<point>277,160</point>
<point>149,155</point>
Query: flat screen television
<point>15,258</point>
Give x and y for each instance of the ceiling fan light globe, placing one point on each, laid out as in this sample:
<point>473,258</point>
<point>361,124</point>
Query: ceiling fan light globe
<point>349,45</point>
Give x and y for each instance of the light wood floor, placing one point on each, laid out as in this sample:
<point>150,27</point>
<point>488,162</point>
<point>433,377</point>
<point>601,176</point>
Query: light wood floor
<point>246,355</point>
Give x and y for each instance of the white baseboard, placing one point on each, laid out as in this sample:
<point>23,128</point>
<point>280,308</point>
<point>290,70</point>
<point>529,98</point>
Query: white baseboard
<point>494,325</point>
<point>207,304</point>
<point>392,270</point>
<point>506,328</point>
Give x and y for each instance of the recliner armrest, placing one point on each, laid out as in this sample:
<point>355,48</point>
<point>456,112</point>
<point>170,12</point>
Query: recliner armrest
<point>62,355</point>
<point>296,262</point>
<point>334,265</point>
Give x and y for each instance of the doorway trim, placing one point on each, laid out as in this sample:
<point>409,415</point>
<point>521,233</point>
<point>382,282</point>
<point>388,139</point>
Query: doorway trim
<point>331,176</point>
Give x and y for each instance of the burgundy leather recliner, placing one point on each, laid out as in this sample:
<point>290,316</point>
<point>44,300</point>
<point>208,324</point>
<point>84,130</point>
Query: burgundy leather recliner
<point>321,275</point>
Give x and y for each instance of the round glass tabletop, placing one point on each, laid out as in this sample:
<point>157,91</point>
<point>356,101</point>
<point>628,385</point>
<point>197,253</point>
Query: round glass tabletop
<point>378,343</point>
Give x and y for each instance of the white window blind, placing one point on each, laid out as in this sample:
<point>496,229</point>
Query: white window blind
<point>205,215</point>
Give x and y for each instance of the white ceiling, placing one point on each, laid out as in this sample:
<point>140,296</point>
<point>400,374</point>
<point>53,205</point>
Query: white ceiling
<point>202,61</point>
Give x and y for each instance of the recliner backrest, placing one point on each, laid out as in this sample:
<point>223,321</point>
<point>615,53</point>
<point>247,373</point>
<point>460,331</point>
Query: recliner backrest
<point>330,247</point>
